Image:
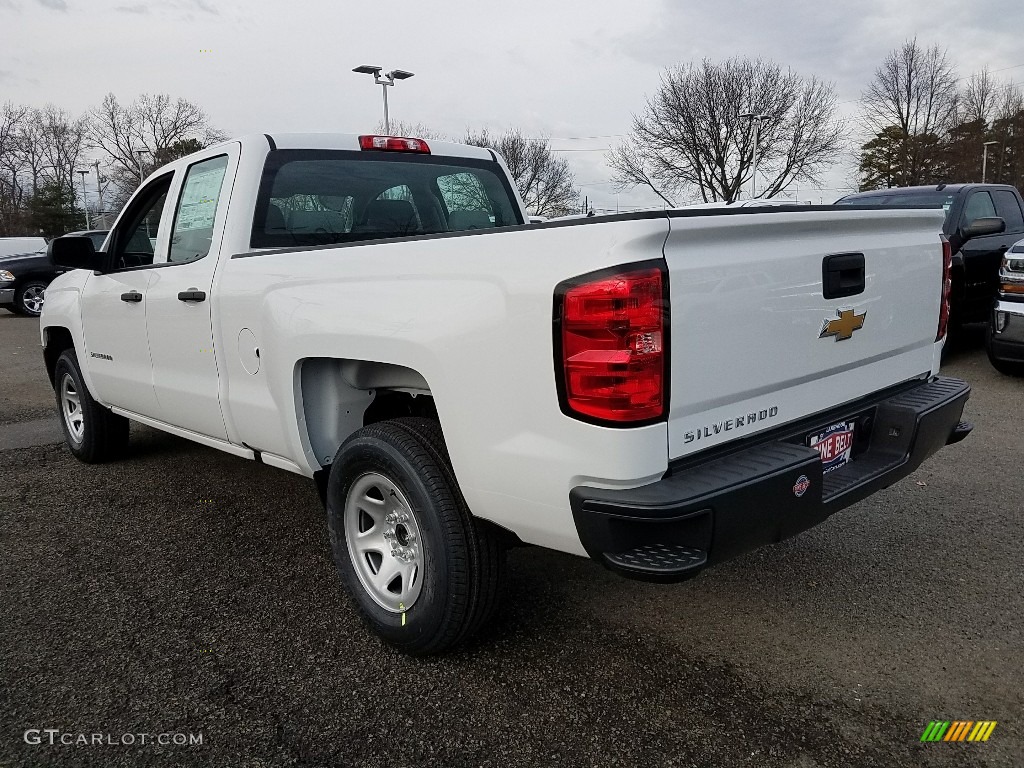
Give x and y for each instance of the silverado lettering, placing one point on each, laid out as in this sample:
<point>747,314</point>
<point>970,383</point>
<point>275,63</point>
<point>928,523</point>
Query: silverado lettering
<point>730,424</point>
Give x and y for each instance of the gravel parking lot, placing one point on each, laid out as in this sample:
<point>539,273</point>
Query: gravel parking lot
<point>188,591</point>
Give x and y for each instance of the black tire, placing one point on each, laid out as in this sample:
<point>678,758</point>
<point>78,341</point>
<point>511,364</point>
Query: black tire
<point>1006,367</point>
<point>99,435</point>
<point>461,562</point>
<point>28,298</point>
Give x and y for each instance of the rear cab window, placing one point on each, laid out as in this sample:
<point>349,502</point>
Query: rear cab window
<point>1008,208</point>
<point>323,197</point>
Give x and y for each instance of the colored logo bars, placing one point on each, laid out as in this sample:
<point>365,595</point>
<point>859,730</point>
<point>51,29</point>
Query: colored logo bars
<point>958,730</point>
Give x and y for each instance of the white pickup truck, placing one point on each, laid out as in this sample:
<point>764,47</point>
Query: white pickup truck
<point>659,391</point>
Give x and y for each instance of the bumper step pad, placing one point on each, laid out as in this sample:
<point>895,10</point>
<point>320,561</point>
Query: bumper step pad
<point>659,559</point>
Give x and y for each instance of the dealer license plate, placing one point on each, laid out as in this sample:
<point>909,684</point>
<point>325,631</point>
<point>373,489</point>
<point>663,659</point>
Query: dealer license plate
<point>834,444</point>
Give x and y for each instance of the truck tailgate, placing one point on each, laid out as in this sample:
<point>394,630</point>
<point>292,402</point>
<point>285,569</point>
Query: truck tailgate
<point>751,344</point>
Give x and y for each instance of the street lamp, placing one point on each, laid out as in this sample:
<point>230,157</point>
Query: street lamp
<point>984,158</point>
<point>85,200</point>
<point>138,154</point>
<point>99,194</point>
<point>756,119</point>
<point>388,79</point>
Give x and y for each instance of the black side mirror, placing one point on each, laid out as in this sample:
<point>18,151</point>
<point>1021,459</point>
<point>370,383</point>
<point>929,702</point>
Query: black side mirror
<point>987,225</point>
<point>74,252</point>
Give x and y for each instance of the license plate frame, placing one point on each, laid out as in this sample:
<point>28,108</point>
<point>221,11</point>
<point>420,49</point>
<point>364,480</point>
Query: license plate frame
<point>834,443</point>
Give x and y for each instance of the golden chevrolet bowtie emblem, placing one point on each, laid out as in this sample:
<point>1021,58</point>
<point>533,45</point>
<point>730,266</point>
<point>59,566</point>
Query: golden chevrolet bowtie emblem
<point>843,326</point>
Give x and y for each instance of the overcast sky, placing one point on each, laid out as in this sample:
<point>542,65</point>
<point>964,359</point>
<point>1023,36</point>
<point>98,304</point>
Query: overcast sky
<point>564,69</point>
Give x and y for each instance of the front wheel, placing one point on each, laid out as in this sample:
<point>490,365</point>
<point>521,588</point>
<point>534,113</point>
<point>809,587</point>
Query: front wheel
<point>424,573</point>
<point>1006,367</point>
<point>93,433</point>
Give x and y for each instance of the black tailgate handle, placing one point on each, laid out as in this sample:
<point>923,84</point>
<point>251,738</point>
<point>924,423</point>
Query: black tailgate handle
<point>842,274</point>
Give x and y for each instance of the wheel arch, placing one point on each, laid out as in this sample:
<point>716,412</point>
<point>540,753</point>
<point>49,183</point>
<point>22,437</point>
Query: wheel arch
<point>337,396</point>
<point>57,339</point>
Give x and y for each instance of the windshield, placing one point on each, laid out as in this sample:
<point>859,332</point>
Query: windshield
<point>314,197</point>
<point>930,199</point>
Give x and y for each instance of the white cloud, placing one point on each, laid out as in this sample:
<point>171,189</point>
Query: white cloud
<point>568,69</point>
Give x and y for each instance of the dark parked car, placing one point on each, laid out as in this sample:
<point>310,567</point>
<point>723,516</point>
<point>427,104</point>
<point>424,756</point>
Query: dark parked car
<point>976,257</point>
<point>1005,340</point>
<point>24,276</point>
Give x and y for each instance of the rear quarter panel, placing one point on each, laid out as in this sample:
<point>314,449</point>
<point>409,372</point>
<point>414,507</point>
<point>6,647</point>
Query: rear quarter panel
<point>473,315</point>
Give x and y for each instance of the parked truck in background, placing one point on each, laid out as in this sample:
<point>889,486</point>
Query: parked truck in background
<point>977,251</point>
<point>1005,338</point>
<point>658,391</point>
<point>24,275</point>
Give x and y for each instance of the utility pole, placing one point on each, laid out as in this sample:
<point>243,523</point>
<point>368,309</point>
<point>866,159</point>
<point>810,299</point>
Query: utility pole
<point>756,119</point>
<point>85,200</point>
<point>138,154</point>
<point>984,158</point>
<point>99,192</point>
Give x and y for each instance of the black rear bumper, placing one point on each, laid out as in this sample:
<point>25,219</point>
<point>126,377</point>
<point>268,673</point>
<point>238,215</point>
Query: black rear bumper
<point>706,513</point>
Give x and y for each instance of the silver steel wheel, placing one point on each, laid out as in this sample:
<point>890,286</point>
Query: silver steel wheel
<point>384,542</point>
<point>32,298</point>
<point>71,407</point>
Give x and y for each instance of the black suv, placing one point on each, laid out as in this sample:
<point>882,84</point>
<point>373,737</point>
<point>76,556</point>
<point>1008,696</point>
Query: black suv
<point>976,259</point>
<point>24,276</point>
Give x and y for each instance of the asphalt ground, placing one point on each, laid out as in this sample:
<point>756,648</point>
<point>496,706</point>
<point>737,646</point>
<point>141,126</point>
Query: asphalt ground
<point>188,591</point>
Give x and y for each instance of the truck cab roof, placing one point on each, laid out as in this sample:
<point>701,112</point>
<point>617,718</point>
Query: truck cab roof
<point>931,194</point>
<point>350,141</point>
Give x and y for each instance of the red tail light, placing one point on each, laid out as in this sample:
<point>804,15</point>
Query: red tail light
<point>947,288</point>
<point>611,345</point>
<point>394,144</point>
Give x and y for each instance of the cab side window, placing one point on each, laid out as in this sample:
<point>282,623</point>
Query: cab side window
<point>1008,208</point>
<point>979,206</point>
<point>192,236</point>
<point>135,239</point>
<point>466,199</point>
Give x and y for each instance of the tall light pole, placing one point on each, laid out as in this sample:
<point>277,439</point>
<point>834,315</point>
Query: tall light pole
<point>99,193</point>
<point>138,154</point>
<point>384,81</point>
<point>984,158</point>
<point>85,201</point>
<point>756,119</point>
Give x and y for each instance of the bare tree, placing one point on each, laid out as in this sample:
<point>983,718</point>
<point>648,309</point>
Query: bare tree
<point>979,97</point>
<point>63,139</point>
<point>1007,161</point>
<point>693,140</point>
<point>543,179</point>
<point>411,130</point>
<point>131,135</point>
<point>915,90</point>
<point>30,148</point>
<point>11,190</point>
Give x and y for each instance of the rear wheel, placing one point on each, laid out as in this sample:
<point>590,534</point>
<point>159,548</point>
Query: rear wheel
<point>423,572</point>
<point>93,433</point>
<point>28,298</point>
